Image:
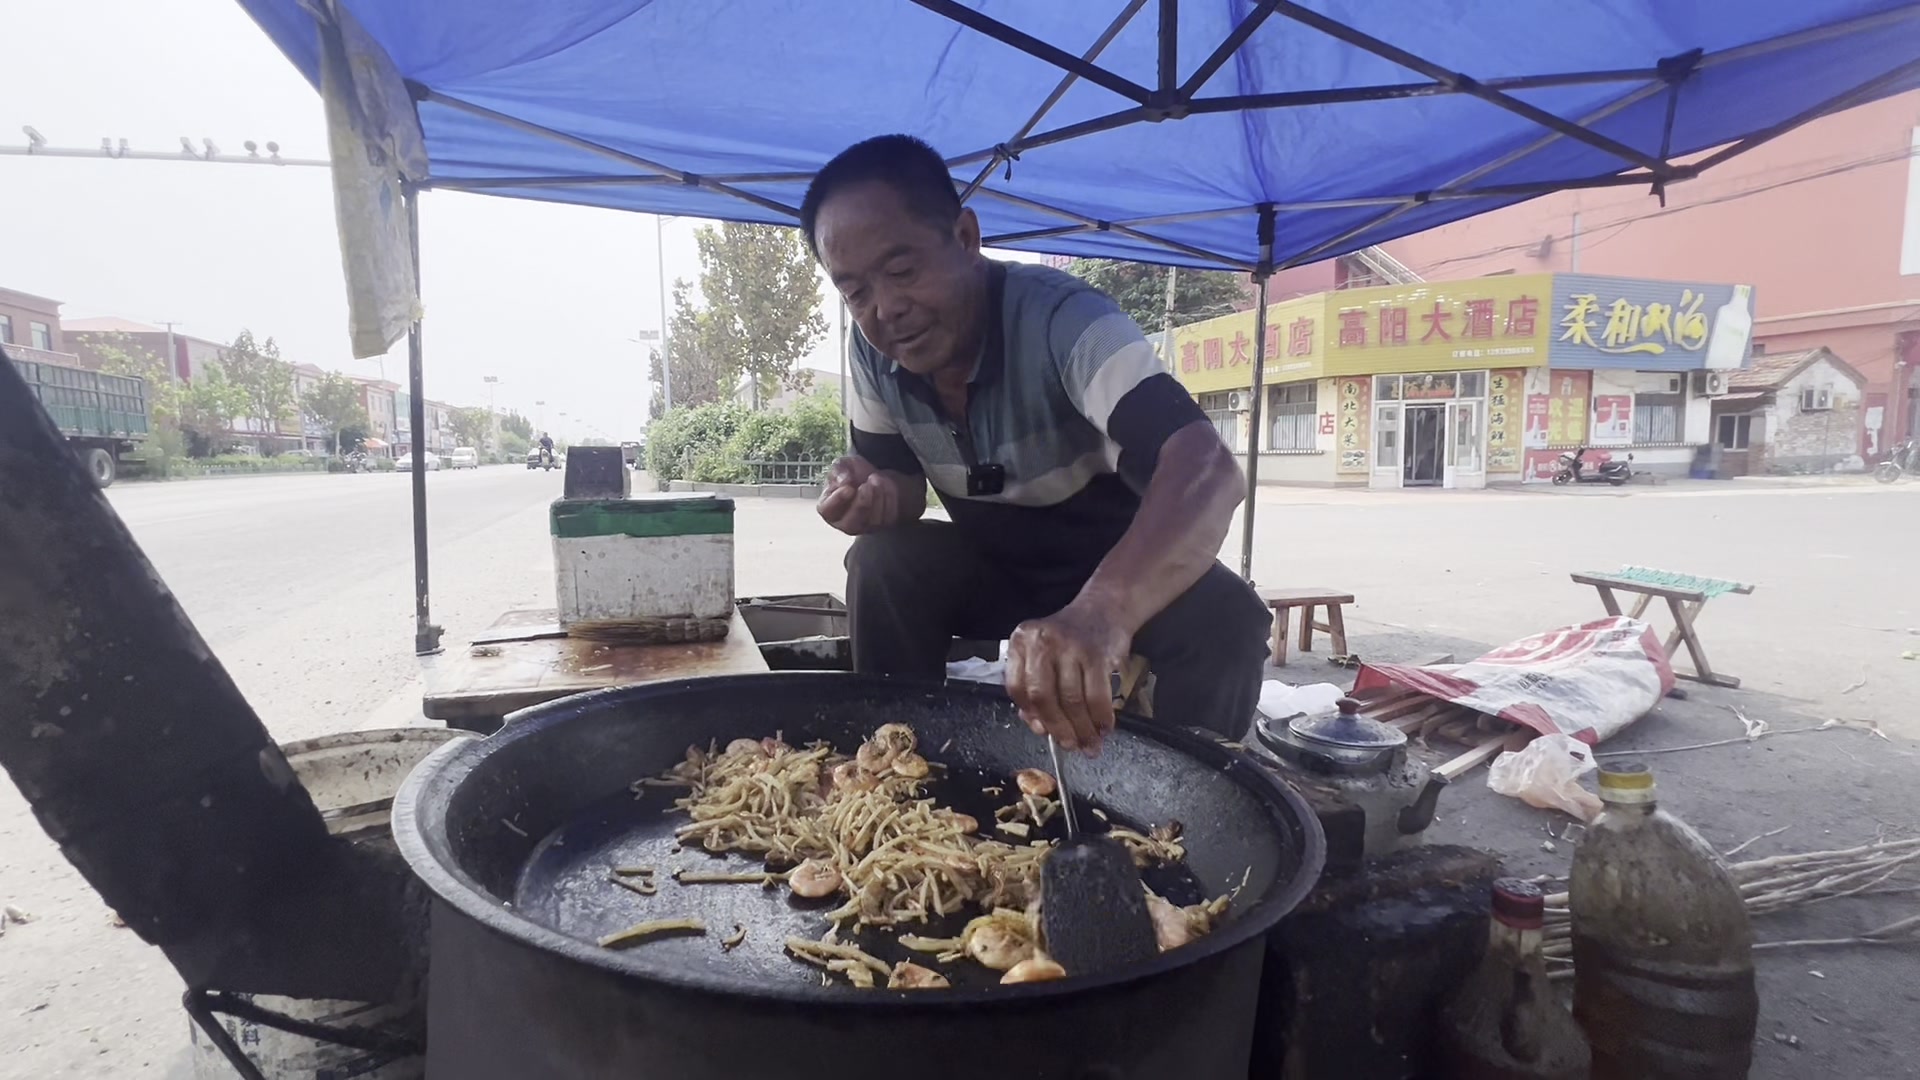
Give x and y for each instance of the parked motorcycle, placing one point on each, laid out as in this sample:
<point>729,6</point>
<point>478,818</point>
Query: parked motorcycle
<point>1572,468</point>
<point>1904,460</point>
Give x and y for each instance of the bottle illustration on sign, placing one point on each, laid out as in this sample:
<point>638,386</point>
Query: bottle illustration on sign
<point>1732,326</point>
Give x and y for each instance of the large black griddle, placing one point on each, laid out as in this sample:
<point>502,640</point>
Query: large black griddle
<point>565,886</point>
<point>515,833</point>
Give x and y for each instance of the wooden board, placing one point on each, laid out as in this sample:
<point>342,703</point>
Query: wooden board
<point>476,685</point>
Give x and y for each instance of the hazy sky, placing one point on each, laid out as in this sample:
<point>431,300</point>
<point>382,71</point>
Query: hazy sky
<point>543,296</point>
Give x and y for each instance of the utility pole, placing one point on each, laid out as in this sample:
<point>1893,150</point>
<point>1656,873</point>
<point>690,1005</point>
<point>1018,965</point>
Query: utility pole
<point>660,272</point>
<point>493,414</point>
<point>173,365</point>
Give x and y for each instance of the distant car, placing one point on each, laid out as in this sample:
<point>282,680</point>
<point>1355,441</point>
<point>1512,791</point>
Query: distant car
<point>464,457</point>
<point>404,463</point>
<point>300,454</point>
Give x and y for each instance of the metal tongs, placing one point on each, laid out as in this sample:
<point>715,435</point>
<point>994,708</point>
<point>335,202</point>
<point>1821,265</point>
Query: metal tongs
<point>1065,793</point>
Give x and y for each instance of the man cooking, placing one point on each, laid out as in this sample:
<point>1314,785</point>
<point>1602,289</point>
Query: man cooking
<point>1088,492</point>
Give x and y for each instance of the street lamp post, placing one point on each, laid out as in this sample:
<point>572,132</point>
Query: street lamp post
<point>493,415</point>
<point>660,272</point>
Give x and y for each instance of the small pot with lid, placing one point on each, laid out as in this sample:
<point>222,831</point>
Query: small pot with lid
<point>1371,796</point>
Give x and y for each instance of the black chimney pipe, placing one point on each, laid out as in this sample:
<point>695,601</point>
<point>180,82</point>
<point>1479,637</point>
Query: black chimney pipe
<point>142,760</point>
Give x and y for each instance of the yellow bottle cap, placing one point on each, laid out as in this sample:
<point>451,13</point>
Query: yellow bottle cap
<point>1626,782</point>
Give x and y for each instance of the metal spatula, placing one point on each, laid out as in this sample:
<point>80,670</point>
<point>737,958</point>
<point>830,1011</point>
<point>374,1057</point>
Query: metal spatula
<point>1093,908</point>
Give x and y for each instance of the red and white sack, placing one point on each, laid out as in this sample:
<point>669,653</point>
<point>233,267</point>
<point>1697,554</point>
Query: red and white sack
<point>1588,681</point>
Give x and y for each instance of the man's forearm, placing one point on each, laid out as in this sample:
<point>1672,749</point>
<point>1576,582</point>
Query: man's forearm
<point>1182,521</point>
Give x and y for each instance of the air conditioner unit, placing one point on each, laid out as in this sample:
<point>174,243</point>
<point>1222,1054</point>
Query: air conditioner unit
<point>1710,383</point>
<point>1237,401</point>
<point>1673,384</point>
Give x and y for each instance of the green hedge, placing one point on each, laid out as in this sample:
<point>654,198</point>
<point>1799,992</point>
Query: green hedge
<point>242,465</point>
<point>712,443</point>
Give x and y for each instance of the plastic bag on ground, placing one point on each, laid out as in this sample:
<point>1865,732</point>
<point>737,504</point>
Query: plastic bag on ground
<point>1547,774</point>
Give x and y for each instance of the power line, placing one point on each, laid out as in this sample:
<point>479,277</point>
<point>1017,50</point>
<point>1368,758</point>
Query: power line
<point>1620,225</point>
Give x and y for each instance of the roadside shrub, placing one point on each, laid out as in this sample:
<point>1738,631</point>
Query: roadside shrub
<point>684,434</point>
<point>713,443</point>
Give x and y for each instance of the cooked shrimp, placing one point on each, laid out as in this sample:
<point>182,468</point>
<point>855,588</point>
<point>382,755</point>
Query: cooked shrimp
<point>996,945</point>
<point>814,879</point>
<point>908,975</point>
<point>1034,782</point>
<point>910,765</point>
<point>1170,926</point>
<point>746,746</point>
<point>1036,968</point>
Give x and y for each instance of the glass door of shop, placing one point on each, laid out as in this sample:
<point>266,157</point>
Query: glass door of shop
<point>1386,445</point>
<point>1423,463</point>
<point>1466,460</point>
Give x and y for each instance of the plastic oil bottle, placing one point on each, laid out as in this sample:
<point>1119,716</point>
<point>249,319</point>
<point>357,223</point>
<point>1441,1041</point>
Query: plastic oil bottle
<point>1662,951</point>
<point>1504,1022</point>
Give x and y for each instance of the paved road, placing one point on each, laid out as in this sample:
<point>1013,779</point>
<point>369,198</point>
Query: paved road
<point>303,587</point>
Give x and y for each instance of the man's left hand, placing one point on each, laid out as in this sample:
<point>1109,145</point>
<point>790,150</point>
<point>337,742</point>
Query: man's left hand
<point>1059,672</point>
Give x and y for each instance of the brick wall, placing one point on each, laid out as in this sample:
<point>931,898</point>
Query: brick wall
<point>1813,440</point>
<point>23,310</point>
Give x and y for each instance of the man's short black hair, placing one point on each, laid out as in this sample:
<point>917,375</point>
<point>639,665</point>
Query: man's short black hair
<point>903,163</point>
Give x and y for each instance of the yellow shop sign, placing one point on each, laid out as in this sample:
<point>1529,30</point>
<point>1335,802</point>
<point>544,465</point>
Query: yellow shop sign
<point>1490,322</point>
<point>1218,354</point>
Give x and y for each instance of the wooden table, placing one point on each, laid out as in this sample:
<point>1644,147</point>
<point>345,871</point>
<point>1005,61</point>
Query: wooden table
<point>525,659</point>
<point>1685,595</point>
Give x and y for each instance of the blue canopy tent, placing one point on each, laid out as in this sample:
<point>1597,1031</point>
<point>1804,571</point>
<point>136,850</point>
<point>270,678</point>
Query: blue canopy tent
<point>1250,135</point>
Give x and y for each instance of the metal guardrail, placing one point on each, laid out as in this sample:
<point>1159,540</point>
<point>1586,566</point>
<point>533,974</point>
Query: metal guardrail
<point>798,471</point>
<point>802,470</point>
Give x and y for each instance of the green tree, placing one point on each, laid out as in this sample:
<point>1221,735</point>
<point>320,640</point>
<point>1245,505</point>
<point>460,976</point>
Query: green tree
<point>762,294</point>
<point>512,423</point>
<point>1141,291</point>
<point>472,427</point>
<point>208,407</point>
<point>702,371</point>
<point>256,369</point>
<point>334,404</point>
<point>120,355</point>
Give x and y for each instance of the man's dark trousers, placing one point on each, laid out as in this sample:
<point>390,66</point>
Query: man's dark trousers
<point>913,589</point>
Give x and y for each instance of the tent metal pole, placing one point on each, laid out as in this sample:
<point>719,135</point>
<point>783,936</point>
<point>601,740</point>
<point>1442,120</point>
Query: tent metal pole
<point>1001,152</point>
<point>1833,104</point>
<point>1235,38</point>
<point>1260,275</point>
<point>426,636</point>
<point>424,93</point>
<point>1036,48</point>
<point>1467,85</point>
<point>1169,64</point>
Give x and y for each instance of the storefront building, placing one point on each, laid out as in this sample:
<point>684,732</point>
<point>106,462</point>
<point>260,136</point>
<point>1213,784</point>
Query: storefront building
<point>1461,384</point>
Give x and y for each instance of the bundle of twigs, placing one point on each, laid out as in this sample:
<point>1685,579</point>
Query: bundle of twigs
<point>1780,882</point>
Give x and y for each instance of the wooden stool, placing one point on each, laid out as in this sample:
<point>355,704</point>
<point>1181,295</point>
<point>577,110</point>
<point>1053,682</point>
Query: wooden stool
<point>1283,601</point>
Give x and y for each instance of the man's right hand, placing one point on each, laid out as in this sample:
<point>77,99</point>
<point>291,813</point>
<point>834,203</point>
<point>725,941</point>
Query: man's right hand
<point>858,498</point>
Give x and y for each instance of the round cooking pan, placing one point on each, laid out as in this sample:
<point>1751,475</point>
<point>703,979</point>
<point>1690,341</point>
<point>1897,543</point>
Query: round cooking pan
<point>515,835</point>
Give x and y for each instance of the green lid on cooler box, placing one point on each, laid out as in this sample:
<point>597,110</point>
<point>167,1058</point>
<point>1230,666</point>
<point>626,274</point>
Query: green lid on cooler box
<point>646,516</point>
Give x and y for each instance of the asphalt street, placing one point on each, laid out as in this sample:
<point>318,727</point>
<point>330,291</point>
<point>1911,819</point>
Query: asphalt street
<point>302,585</point>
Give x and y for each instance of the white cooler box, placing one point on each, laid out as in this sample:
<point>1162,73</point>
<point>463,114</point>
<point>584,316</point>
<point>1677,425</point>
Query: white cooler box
<point>648,569</point>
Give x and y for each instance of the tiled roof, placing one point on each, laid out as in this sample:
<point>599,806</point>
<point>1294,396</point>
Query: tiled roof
<point>1773,370</point>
